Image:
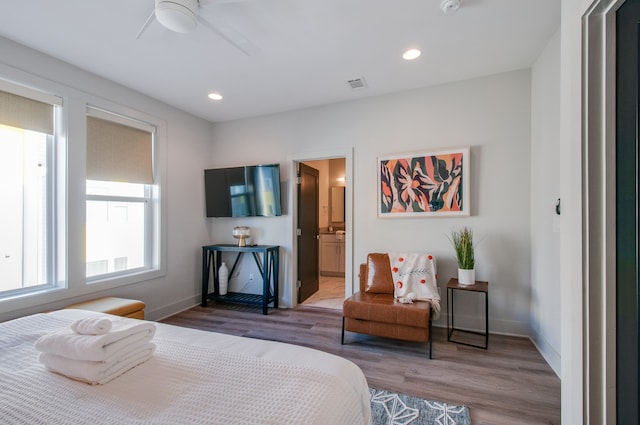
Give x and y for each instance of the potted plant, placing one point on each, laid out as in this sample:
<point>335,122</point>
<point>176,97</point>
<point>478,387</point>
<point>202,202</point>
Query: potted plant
<point>462,241</point>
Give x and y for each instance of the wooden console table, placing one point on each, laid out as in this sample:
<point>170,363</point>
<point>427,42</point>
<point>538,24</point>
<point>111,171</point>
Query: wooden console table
<point>268,267</point>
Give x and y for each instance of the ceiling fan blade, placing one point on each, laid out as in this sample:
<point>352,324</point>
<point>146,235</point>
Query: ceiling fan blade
<point>231,36</point>
<point>147,23</point>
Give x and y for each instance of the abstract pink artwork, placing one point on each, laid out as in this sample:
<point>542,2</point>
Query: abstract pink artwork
<point>432,183</point>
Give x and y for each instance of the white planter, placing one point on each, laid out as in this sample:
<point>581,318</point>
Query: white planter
<point>466,277</point>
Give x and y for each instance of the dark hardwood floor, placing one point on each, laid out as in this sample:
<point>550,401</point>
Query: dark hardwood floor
<point>510,383</point>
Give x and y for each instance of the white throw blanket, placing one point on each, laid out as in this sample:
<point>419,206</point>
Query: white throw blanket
<point>415,273</point>
<point>97,372</point>
<point>125,334</point>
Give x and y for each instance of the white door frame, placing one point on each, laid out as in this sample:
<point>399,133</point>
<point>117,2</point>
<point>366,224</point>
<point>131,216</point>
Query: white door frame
<point>599,213</point>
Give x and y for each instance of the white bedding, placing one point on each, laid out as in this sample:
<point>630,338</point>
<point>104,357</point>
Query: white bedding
<point>195,377</point>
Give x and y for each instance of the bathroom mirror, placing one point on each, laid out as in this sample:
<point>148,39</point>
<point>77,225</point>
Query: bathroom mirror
<point>337,204</point>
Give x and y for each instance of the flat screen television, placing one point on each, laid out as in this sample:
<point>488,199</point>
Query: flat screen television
<point>250,191</point>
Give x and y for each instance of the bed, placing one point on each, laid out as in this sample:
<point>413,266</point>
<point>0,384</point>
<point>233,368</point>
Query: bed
<point>194,377</point>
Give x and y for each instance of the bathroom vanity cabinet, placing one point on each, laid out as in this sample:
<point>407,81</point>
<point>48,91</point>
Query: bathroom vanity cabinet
<point>332,254</point>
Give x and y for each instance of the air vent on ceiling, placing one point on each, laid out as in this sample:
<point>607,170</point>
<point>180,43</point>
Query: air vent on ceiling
<point>357,83</point>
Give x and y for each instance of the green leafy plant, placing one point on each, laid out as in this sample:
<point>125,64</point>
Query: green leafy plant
<point>462,241</point>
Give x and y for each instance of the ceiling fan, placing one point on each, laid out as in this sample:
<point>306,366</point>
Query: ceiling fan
<point>182,16</point>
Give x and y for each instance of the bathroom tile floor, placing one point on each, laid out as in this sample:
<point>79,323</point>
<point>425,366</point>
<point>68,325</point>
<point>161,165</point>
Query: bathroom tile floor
<point>330,294</point>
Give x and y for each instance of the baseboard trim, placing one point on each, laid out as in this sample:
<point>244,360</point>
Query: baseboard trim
<point>546,350</point>
<point>171,309</point>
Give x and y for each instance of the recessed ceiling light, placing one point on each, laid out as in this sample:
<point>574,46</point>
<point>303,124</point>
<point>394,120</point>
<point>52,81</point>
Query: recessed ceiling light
<point>215,96</point>
<point>411,54</point>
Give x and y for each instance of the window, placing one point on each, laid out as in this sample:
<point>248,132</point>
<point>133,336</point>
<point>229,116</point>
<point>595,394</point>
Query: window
<point>42,255</point>
<point>121,207</point>
<point>27,259</point>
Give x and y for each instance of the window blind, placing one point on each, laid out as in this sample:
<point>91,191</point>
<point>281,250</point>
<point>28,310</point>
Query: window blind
<point>117,152</point>
<point>21,112</point>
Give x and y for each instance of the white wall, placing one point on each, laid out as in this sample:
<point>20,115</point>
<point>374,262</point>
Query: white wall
<point>186,151</point>
<point>571,256</point>
<point>491,114</point>
<point>545,190</point>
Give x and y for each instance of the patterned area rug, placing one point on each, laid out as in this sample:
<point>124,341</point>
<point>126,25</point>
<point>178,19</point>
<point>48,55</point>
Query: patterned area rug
<point>398,409</point>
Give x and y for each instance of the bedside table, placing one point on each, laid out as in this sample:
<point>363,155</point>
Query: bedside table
<point>479,287</point>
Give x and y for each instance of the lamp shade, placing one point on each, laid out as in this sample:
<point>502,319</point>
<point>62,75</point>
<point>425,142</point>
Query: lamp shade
<point>241,233</point>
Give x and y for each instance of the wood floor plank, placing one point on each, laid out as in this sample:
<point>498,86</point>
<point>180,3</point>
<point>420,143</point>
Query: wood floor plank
<point>506,384</point>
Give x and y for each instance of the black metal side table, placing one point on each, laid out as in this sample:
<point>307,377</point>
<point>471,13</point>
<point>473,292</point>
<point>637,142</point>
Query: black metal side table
<point>268,266</point>
<point>480,287</point>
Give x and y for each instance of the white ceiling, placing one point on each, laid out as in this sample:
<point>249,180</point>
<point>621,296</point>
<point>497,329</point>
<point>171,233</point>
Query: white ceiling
<point>306,50</point>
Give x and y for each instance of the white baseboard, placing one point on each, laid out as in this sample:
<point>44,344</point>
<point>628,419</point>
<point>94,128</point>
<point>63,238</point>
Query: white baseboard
<point>476,324</point>
<point>171,309</point>
<point>547,351</point>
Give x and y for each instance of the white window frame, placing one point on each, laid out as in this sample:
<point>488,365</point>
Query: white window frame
<point>147,201</point>
<point>154,264</point>
<point>70,195</point>
<point>55,241</point>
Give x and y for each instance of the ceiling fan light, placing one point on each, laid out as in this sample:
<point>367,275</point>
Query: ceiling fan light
<point>179,15</point>
<point>449,6</point>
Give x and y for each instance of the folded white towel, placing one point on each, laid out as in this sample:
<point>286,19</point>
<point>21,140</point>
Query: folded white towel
<point>124,333</point>
<point>97,372</point>
<point>92,326</point>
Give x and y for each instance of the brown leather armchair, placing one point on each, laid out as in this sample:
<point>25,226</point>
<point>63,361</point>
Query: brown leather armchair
<point>374,310</point>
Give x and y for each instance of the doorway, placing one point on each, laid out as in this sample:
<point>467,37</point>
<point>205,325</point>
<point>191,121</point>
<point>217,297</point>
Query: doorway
<point>333,236</point>
<point>331,231</point>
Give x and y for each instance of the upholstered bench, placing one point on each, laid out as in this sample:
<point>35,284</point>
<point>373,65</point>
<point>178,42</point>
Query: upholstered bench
<point>113,305</point>
<point>375,311</point>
